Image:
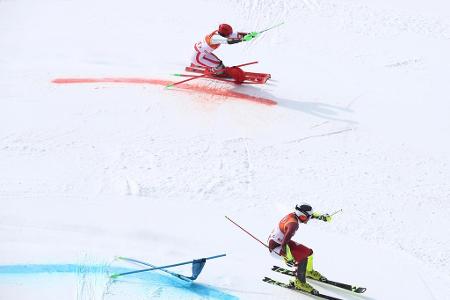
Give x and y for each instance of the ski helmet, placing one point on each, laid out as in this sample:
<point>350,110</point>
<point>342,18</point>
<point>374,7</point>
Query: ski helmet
<point>303,211</point>
<point>225,30</point>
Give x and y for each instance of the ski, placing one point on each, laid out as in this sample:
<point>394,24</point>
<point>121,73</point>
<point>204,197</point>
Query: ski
<point>314,293</point>
<point>196,69</point>
<point>224,79</point>
<point>206,75</point>
<point>250,77</point>
<point>247,74</point>
<point>341,285</point>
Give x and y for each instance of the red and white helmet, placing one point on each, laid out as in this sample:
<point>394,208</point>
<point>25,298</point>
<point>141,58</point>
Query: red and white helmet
<point>225,30</point>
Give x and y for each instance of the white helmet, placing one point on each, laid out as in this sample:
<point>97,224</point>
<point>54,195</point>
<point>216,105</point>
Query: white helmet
<point>303,209</point>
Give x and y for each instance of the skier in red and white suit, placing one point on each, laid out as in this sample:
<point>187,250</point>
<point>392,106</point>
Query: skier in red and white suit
<point>203,49</point>
<point>281,244</point>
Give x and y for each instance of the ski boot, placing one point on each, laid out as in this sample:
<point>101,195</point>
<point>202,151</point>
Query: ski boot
<point>313,274</point>
<point>236,73</point>
<point>303,286</point>
<point>218,71</point>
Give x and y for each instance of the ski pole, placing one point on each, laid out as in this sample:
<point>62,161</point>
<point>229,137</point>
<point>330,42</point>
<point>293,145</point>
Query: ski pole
<point>252,35</point>
<point>284,256</point>
<point>338,211</point>
<point>183,81</point>
<point>206,75</point>
<point>246,232</point>
<point>274,26</point>
<point>252,236</point>
<point>114,276</point>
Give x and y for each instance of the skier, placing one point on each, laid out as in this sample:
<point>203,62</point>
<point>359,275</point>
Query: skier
<point>281,244</point>
<point>203,56</point>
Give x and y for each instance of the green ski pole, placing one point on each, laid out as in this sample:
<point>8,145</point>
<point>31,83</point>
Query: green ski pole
<point>252,35</point>
<point>267,29</point>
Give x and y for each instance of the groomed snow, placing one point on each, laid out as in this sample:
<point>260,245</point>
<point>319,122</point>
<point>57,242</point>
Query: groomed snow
<point>93,171</point>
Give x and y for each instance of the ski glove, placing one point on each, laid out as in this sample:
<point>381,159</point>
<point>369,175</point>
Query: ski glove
<point>324,217</point>
<point>250,36</point>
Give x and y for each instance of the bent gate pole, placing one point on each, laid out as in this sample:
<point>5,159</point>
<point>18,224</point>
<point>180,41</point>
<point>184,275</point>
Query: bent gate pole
<point>267,246</point>
<point>113,276</point>
<point>247,232</point>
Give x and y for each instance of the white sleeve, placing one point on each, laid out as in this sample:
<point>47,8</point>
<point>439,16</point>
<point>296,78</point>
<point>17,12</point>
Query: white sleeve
<point>218,39</point>
<point>234,35</point>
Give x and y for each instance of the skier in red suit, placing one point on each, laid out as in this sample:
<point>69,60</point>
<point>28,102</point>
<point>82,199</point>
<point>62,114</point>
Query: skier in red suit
<point>203,56</point>
<point>281,244</point>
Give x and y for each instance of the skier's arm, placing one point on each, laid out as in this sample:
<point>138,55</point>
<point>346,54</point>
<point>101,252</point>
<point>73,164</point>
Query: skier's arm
<point>233,39</point>
<point>241,34</point>
<point>291,228</point>
<point>242,37</point>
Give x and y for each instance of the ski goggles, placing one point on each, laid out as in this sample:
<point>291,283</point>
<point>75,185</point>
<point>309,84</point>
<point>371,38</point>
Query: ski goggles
<point>305,217</point>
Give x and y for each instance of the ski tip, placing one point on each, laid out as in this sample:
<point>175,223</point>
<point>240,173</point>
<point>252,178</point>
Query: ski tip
<point>176,74</point>
<point>360,290</point>
<point>114,276</point>
<point>169,86</point>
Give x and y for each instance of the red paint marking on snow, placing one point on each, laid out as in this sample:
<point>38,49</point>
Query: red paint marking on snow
<point>112,80</point>
<point>228,93</point>
<point>197,88</point>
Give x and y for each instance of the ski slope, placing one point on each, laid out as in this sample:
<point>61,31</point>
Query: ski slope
<point>356,117</point>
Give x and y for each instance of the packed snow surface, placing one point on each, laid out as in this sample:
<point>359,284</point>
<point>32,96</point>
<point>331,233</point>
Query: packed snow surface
<point>357,119</point>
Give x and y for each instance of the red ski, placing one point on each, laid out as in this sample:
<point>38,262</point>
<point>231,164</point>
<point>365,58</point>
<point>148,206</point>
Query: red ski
<point>227,75</point>
<point>250,77</point>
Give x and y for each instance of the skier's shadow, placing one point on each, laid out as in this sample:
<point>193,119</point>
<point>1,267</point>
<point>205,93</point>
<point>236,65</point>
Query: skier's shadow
<point>318,109</point>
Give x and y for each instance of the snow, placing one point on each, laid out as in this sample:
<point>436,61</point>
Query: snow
<point>93,171</point>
